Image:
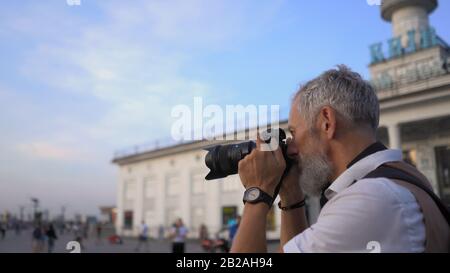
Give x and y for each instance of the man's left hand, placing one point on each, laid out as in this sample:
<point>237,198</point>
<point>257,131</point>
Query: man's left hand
<point>262,169</point>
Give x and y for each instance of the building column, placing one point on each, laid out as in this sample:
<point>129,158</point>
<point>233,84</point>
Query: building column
<point>161,200</point>
<point>120,211</point>
<point>185,198</point>
<point>138,214</point>
<point>394,136</point>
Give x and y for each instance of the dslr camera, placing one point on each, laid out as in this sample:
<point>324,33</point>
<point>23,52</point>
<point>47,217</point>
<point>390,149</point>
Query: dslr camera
<point>223,160</point>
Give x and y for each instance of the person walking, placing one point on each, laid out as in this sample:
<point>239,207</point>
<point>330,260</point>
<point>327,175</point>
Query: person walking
<point>161,232</point>
<point>2,230</point>
<point>51,237</point>
<point>143,237</point>
<point>99,228</point>
<point>38,236</point>
<point>178,236</point>
<point>233,228</point>
<point>203,236</point>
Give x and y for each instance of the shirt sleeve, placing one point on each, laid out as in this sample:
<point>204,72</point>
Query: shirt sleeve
<point>371,212</point>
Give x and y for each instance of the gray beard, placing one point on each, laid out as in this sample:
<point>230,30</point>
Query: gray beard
<point>315,172</point>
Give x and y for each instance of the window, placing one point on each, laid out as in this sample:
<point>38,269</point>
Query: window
<point>149,204</point>
<point>150,193</point>
<point>150,187</point>
<point>228,213</point>
<point>172,214</point>
<point>173,185</point>
<point>198,217</point>
<point>231,184</point>
<point>150,218</point>
<point>130,189</point>
<point>128,219</point>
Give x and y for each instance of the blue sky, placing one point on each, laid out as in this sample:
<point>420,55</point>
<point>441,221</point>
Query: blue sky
<point>79,82</point>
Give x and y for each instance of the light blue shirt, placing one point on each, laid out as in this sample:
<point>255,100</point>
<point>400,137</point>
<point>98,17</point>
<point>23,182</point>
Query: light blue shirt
<point>373,215</point>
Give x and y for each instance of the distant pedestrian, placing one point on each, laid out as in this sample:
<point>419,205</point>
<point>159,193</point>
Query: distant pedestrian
<point>38,238</point>
<point>233,226</point>
<point>77,232</point>
<point>203,236</point>
<point>51,237</point>
<point>85,230</point>
<point>115,239</point>
<point>161,232</point>
<point>178,236</point>
<point>143,237</point>
<point>99,232</point>
<point>18,227</point>
<point>2,231</point>
<point>204,233</point>
<point>62,227</point>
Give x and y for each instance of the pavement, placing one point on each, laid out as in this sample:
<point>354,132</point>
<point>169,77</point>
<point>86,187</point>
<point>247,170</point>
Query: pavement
<point>22,243</point>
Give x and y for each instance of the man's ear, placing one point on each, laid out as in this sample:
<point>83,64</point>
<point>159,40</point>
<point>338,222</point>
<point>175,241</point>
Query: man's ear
<point>327,122</point>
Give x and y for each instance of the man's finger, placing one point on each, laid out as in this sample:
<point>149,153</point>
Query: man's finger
<point>279,154</point>
<point>258,142</point>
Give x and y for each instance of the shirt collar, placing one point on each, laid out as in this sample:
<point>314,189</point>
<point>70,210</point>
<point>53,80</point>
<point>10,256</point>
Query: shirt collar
<point>360,168</point>
<point>373,148</point>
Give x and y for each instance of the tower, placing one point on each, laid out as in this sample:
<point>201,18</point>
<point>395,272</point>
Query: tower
<point>407,15</point>
<point>414,51</point>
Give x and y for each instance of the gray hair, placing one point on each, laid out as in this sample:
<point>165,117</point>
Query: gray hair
<point>343,90</point>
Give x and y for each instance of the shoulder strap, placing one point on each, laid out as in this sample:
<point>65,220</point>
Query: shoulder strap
<point>394,173</point>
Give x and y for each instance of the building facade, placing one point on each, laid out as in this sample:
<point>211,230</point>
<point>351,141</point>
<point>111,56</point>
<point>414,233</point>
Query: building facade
<point>413,85</point>
<point>161,185</point>
<point>412,80</point>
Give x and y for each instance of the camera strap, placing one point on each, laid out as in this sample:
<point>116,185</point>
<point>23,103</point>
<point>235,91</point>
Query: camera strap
<point>286,171</point>
<point>395,173</point>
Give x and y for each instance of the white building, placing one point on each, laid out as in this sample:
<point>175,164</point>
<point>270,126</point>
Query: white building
<point>413,83</point>
<point>164,184</point>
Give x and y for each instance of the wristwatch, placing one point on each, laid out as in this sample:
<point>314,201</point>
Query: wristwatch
<point>255,195</point>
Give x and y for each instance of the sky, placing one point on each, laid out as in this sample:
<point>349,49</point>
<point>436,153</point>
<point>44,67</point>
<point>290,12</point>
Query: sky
<point>79,82</point>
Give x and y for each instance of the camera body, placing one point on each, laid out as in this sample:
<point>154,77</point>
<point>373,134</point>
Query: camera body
<point>223,160</point>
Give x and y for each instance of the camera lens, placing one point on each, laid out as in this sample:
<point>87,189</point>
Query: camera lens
<point>223,160</point>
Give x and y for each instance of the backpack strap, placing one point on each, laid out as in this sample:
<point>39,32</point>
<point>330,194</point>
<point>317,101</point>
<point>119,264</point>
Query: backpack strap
<point>394,173</point>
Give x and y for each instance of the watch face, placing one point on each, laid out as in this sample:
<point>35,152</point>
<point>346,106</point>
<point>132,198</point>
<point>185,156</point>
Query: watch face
<point>253,194</point>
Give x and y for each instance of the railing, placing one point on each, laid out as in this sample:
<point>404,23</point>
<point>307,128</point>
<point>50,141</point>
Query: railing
<point>148,147</point>
<point>169,142</point>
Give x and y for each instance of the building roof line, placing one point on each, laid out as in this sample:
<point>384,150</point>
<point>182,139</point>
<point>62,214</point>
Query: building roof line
<point>153,150</point>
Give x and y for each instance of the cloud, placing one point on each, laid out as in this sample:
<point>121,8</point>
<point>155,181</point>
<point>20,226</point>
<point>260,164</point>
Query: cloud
<point>136,78</point>
<point>105,75</point>
<point>45,150</point>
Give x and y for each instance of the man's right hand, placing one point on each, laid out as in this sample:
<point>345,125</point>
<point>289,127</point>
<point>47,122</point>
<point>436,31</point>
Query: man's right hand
<point>290,190</point>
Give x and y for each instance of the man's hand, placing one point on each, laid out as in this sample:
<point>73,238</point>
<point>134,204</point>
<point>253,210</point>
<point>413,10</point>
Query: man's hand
<point>262,169</point>
<point>290,191</point>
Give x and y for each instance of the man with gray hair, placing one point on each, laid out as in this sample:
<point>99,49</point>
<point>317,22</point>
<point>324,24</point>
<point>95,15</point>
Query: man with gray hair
<point>372,200</point>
